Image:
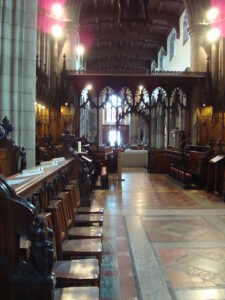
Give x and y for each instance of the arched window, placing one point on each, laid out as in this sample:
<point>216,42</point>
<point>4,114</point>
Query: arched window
<point>110,109</point>
<point>153,66</point>
<point>173,44</point>
<point>185,29</point>
<point>161,61</point>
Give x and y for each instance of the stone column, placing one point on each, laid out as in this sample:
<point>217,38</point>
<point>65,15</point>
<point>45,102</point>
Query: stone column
<point>199,47</point>
<point>154,130</point>
<point>134,129</point>
<point>18,70</point>
<point>70,45</point>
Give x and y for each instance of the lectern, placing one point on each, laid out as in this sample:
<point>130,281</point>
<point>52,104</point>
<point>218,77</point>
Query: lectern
<point>216,174</point>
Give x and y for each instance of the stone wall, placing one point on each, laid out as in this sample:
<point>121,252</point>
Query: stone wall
<point>18,70</point>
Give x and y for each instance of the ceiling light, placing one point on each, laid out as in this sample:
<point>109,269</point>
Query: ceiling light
<point>66,104</point>
<point>89,87</point>
<point>57,10</point>
<point>80,49</point>
<point>213,13</point>
<point>214,34</point>
<point>57,31</point>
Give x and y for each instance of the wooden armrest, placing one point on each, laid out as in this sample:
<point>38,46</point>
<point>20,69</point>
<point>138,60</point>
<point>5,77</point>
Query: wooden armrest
<point>87,159</point>
<point>53,204</point>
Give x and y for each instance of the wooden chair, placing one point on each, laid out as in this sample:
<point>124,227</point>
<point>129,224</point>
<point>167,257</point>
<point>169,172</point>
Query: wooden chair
<point>70,272</point>
<point>76,232</point>
<point>81,293</point>
<point>71,248</point>
<point>75,196</point>
<point>82,219</point>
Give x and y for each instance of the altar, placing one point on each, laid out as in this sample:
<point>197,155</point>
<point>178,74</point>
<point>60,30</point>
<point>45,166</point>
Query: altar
<point>134,158</point>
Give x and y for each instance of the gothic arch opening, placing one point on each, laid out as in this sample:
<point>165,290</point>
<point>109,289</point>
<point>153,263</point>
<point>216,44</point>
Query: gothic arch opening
<point>159,118</point>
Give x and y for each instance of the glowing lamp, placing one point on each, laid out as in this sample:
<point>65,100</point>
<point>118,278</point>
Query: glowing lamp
<point>213,13</point>
<point>57,31</point>
<point>57,10</point>
<point>213,34</point>
<point>80,50</point>
<point>89,87</point>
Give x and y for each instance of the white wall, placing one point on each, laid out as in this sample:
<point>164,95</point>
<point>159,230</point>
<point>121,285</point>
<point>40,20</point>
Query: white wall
<point>182,58</point>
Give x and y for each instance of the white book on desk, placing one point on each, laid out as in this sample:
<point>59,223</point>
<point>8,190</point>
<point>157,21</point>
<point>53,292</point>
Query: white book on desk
<point>32,171</point>
<point>59,159</point>
<point>48,163</point>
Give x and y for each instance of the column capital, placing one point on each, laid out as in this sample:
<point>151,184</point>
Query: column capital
<point>196,10</point>
<point>72,29</point>
<point>198,29</point>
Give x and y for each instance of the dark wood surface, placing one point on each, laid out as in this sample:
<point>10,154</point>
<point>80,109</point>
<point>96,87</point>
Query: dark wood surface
<point>35,182</point>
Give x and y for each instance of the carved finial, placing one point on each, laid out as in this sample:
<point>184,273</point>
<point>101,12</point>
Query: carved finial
<point>8,127</point>
<point>208,65</point>
<point>64,62</point>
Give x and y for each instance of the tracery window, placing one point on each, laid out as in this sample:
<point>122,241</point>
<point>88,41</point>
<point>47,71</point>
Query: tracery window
<point>110,109</point>
<point>185,29</point>
<point>172,44</point>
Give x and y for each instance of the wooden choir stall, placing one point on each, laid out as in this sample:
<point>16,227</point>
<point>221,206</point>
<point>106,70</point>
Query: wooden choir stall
<point>50,244</point>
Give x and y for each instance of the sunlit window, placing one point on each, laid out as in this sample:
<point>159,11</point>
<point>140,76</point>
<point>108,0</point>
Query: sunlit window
<point>110,109</point>
<point>113,136</point>
<point>185,29</point>
<point>172,44</point>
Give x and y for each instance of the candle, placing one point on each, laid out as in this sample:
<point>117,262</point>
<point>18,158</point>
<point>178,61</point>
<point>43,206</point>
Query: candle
<point>79,147</point>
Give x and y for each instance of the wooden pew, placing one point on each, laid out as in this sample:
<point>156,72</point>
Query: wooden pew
<point>31,279</point>
<point>189,166</point>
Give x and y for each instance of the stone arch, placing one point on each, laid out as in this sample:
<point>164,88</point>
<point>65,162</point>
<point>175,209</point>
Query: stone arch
<point>162,54</point>
<point>84,114</point>
<point>159,118</point>
<point>186,36</point>
<point>172,48</point>
<point>178,105</point>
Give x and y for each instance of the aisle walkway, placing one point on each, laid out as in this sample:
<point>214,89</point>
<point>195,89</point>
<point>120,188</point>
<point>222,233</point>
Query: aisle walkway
<point>161,242</point>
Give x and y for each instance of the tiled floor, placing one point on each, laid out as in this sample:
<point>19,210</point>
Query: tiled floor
<point>161,241</point>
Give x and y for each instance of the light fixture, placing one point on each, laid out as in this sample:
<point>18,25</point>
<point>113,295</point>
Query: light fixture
<point>89,87</point>
<point>57,31</point>
<point>213,13</point>
<point>43,107</point>
<point>57,10</point>
<point>141,87</point>
<point>213,34</point>
<point>66,104</point>
<point>36,104</point>
<point>80,50</point>
<point>39,105</point>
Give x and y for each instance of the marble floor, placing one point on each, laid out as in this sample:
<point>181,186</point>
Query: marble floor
<point>161,242</point>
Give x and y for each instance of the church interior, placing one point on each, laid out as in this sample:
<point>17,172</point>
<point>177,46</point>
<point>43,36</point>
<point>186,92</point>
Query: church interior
<point>112,149</point>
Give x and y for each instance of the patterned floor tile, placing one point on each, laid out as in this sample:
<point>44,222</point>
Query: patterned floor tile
<point>197,230</point>
<point>109,263</point>
<point>194,268</point>
<point>182,272</point>
<point>110,287</point>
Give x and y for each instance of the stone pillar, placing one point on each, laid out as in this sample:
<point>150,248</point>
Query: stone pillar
<point>134,129</point>
<point>154,131</point>
<point>199,47</point>
<point>54,68</point>
<point>70,45</point>
<point>18,70</point>
<point>162,129</point>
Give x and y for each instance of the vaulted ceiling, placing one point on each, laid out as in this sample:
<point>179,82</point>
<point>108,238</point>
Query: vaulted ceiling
<point>126,35</point>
